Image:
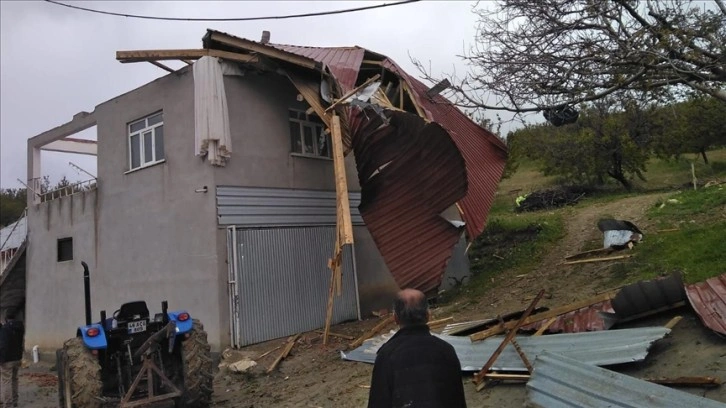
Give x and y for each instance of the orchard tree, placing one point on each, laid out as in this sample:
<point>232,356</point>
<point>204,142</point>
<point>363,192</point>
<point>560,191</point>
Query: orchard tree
<point>694,126</point>
<point>551,55</point>
<point>611,140</point>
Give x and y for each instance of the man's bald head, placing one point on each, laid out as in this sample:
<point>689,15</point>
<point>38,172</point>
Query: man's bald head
<point>411,307</point>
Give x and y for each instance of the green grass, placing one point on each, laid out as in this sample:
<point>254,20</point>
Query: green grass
<point>511,245</point>
<point>514,244</point>
<point>697,249</point>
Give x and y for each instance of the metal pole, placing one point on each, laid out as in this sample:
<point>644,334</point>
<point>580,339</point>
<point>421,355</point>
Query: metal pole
<point>87,291</point>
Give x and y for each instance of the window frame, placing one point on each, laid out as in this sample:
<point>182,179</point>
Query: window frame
<point>62,242</point>
<point>302,123</point>
<point>140,133</point>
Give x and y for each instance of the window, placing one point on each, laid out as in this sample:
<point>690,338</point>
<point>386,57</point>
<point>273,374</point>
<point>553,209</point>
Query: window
<point>307,135</point>
<point>65,249</point>
<point>146,141</point>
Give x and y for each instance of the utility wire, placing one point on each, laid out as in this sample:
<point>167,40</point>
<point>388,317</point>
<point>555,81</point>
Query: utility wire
<point>321,13</point>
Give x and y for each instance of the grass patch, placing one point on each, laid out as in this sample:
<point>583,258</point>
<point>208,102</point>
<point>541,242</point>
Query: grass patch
<point>511,244</point>
<point>697,249</point>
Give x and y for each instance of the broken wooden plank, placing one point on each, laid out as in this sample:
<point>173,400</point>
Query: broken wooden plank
<point>329,308</point>
<point>545,326</point>
<point>687,381</point>
<point>590,252</point>
<point>674,321</point>
<point>352,92</point>
<point>247,45</point>
<point>440,322</point>
<point>342,336</point>
<point>669,230</point>
<point>478,377</point>
<point>609,258</point>
<point>162,66</point>
<point>507,377</point>
<point>341,183</point>
<point>372,332</point>
<point>413,101</point>
<point>188,54</point>
<point>285,352</point>
<point>522,356</point>
<point>268,352</point>
<point>492,331</point>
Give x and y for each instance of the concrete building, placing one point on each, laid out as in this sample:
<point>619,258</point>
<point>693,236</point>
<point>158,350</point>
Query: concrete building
<point>242,245</point>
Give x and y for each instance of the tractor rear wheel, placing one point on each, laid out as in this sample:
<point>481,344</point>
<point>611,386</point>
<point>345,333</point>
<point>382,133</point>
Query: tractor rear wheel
<point>82,386</point>
<point>197,368</point>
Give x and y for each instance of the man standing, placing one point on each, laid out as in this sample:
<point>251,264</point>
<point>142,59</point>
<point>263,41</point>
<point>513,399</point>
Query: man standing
<point>414,368</point>
<point>11,352</point>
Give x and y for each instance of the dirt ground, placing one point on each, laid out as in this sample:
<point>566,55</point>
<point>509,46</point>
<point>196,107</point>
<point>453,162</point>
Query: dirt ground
<point>314,375</point>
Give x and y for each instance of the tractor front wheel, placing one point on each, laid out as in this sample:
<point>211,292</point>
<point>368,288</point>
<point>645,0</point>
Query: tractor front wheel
<point>197,368</point>
<point>81,376</point>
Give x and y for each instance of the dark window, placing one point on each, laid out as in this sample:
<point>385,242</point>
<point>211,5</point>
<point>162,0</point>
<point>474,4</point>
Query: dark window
<point>65,249</point>
<point>307,135</point>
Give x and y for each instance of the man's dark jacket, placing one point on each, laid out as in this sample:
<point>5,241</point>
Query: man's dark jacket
<point>11,341</point>
<point>416,369</point>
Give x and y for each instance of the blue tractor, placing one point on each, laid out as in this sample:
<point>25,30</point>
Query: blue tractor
<point>133,359</point>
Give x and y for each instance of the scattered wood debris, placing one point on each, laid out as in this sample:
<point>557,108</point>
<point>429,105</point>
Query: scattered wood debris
<point>609,258</point>
<point>342,336</point>
<point>480,376</point>
<point>372,332</point>
<point>542,316</point>
<point>285,352</point>
<point>687,381</point>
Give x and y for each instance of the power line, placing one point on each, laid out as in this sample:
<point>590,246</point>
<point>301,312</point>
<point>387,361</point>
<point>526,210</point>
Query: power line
<point>321,13</point>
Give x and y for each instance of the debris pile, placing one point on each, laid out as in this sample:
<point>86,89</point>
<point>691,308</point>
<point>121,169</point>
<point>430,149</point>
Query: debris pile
<point>570,368</point>
<point>551,198</point>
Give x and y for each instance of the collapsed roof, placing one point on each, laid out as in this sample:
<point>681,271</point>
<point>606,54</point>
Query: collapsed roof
<point>417,155</point>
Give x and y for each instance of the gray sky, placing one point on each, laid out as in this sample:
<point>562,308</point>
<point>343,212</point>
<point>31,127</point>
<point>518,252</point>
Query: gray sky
<point>56,62</point>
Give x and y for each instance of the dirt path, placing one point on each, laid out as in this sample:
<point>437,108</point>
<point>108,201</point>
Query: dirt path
<point>565,284</point>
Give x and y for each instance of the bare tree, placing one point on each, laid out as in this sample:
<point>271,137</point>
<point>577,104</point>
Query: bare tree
<point>549,55</point>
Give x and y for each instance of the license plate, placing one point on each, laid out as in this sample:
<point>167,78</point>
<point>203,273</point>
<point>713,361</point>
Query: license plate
<point>137,327</point>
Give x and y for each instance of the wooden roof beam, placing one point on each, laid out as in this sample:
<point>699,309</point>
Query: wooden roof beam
<point>269,51</point>
<point>189,54</point>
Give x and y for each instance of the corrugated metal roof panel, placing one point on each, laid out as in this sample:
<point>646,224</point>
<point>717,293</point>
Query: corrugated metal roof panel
<point>13,235</point>
<point>343,62</point>
<point>596,348</point>
<point>280,207</point>
<point>709,301</point>
<point>484,153</point>
<point>558,381</point>
<point>401,203</point>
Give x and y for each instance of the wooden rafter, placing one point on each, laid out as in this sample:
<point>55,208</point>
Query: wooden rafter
<point>252,46</point>
<point>162,66</point>
<point>187,54</point>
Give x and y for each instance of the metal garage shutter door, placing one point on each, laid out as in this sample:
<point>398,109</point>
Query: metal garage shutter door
<point>282,280</point>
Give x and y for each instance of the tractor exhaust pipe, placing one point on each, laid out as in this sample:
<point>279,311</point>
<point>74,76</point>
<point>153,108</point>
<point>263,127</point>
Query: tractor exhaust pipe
<point>87,291</point>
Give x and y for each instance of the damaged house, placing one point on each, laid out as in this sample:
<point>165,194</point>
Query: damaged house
<point>234,186</point>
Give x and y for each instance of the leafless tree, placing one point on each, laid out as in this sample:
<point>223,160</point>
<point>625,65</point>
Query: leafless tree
<point>550,54</point>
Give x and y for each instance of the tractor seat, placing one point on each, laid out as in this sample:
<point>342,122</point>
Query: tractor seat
<point>133,311</point>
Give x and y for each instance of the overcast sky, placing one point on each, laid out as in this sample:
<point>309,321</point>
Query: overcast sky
<point>56,62</point>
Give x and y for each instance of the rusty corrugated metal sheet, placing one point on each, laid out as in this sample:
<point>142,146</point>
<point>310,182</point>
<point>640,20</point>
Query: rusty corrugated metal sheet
<point>401,202</point>
<point>709,301</point>
<point>343,62</point>
<point>484,153</point>
<point>585,319</point>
